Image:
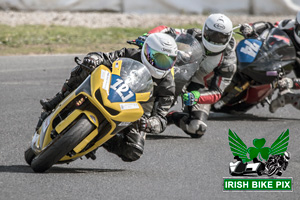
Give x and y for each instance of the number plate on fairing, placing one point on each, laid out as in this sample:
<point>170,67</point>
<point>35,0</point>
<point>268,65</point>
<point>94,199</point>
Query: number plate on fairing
<point>120,91</point>
<point>247,50</point>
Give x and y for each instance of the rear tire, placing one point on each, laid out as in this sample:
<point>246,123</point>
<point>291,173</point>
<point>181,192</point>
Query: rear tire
<point>62,145</point>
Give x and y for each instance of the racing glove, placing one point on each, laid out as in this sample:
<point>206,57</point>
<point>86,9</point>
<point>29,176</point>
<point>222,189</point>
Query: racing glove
<point>144,124</point>
<point>152,125</point>
<point>190,98</point>
<point>139,41</point>
<point>246,30</point>
<point>91,61</point>
<point>285,83</point>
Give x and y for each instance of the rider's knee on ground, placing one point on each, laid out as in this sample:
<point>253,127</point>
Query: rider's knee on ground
<point>196,125</point>
<point>196,128</point>
<point>129,146</point>
<point>133,145</point>
<point>131,153</point>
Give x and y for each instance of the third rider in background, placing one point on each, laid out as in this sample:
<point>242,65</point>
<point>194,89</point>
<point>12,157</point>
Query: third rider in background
<point>292,29</point>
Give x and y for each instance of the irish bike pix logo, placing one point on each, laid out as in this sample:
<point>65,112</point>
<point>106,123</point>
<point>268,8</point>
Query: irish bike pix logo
<point>256,161</point>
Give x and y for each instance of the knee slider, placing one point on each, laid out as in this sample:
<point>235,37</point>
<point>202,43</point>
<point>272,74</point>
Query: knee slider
<point>196,128</point>
<point>132,152</point>
<point>133,147</point>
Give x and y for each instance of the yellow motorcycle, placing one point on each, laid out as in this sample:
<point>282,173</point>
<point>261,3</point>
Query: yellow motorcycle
<point>104,104</point>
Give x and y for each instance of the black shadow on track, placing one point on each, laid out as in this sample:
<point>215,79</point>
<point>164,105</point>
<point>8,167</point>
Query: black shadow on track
<point>245,117</point>
<point>163,137</point>
<point>55,170</point>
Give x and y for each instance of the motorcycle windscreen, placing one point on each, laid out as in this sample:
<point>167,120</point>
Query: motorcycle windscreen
<point>276,52</point>
<point>262,59</point>
<point>134,78</point>
<point>190,54</point>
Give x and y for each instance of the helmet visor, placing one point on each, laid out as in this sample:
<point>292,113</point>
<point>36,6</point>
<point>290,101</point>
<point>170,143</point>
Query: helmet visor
<point>216,37</point>
<point>158,59</point>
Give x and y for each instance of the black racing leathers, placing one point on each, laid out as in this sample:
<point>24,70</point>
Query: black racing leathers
<point>129,144</point>
<point>163,92</point>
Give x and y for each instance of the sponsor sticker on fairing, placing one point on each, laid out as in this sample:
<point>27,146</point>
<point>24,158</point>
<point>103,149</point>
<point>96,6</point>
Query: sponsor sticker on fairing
<point>124,124</point>
<point>105,75</point>
<point>128,106</point>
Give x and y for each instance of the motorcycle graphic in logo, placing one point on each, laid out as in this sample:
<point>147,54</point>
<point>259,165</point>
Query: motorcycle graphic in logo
<point>266,160</point>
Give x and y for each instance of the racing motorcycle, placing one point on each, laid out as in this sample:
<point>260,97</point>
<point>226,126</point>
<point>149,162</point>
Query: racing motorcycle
<point>103,105</point>
<point>261,63</point>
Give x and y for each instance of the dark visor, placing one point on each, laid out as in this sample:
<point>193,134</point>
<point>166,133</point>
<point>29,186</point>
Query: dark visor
<point>215,37</point>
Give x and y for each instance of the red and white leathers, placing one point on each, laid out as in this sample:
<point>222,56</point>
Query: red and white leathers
<point>213,76</point>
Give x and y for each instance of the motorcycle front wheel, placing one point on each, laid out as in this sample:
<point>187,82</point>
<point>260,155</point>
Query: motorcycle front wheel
<point>62,145</point>
<point>29,155</point>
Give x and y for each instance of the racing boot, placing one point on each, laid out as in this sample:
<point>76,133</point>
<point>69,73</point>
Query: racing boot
<point>43,116</point>
<point>128,146</point>
<point>174,117</point>
<point>191,126</point>
<point>277,103</point>
<point>50,104</point>
<point>76,78</point>
<point>282,100</point>
<point>70,84</point>
<point>195,128</point>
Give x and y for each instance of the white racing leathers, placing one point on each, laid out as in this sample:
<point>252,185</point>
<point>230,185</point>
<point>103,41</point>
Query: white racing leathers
<point>215,73</point>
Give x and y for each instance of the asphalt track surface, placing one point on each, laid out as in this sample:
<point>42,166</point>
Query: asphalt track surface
<point>173,166</point>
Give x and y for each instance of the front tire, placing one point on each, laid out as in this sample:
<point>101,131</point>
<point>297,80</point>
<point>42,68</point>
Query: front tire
<point>62,145</point>
<point>29,155</point>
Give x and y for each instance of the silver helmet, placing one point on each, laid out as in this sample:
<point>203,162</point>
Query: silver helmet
<point>159,54</point>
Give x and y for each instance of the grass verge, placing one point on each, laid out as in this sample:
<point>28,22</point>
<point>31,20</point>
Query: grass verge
<point>30,39</point>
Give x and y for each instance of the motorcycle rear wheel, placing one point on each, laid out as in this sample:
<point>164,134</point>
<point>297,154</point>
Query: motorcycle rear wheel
<point>62,145</point>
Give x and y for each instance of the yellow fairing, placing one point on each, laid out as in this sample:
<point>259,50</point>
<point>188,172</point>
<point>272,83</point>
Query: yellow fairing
<point>126,111</point>
<point>129,111</point>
